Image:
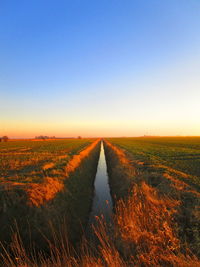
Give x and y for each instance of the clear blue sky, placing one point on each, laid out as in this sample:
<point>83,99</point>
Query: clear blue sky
<point>99,67</point>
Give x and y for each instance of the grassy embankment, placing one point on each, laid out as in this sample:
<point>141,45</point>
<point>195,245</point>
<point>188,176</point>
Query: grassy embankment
<point>145,226</point>
<point>156,214</point>
<point>61,200</point>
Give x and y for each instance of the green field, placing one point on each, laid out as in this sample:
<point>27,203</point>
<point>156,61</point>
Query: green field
<point>171,167</point>
<point>28,161</point>
<point>179,153</point>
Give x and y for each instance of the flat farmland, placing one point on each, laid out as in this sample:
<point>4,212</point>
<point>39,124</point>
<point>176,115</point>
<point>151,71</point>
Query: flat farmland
<point>30,160</point>
<point>180,153</point>
<point>44,184</point>
<point>157,178</point>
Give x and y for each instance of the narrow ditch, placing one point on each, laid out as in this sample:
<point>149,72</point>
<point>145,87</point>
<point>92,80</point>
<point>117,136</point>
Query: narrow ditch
<point>102,202</point>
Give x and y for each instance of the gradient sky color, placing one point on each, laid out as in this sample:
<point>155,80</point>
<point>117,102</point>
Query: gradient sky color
<point>99,67</point>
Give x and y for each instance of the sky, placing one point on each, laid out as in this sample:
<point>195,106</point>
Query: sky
<point>99,67</point>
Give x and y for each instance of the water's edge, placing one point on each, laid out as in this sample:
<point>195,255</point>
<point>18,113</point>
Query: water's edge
<point>102,204</point>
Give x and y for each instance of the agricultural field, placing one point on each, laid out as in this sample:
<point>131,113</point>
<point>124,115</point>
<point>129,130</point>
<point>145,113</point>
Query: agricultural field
<point>29,161</point>
<point>45,184</point>
<point>156,199</point>
<point>154,188</point>
<point>180,153</point>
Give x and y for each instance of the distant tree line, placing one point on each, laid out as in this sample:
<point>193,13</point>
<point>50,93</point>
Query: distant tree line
<point>4,138</point>
<point>44,137</point>
<point>40,137</point>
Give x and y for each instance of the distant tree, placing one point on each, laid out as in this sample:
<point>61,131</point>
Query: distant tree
<point>5,138</point>
<point>79,137</point>
<point>42,137</point>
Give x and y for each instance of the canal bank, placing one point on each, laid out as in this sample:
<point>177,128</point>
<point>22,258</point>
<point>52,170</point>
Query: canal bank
<point>102,202</point>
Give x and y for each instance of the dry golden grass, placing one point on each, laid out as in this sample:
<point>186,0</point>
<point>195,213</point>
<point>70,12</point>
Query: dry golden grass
<point>42,192</point>
<point>48,166</point>
<point>144,232</point>
<point>145,229</point>
<point>39,193</point>
<point>76,159</point>
<point>144,226</point>
<point>143,235</point>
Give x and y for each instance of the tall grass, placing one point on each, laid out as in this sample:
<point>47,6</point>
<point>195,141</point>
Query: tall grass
<point>69,207</point>
<point>143,235</point>
<point>40,193</point>
<point>146,224</point>
<point>144,231</point>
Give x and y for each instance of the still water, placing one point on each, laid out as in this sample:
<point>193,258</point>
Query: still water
<point>102,201</point>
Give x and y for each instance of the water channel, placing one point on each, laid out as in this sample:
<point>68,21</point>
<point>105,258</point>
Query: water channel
<point>102,201</point>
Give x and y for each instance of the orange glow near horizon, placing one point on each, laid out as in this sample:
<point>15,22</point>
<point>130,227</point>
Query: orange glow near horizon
<point>126,69</point>
<point>96,129</point>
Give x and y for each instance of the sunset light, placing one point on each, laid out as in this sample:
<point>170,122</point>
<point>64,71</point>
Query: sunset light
<point>100,133</point>
<point>100,68</point>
